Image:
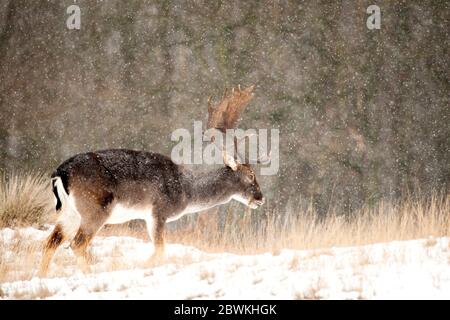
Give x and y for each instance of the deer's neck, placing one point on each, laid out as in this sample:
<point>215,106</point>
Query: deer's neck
<point>211,188</point>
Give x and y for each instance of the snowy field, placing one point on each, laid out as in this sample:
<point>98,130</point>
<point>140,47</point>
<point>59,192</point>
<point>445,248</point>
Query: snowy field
<point>406,269</point>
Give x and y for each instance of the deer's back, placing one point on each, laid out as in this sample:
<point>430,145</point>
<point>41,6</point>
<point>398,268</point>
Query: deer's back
<point>124,176</point>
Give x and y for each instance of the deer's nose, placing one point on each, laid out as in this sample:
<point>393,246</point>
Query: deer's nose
<point>260,201</point>
<point>259,196</point>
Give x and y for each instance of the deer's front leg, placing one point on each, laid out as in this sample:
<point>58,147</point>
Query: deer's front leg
<point>155,229</point>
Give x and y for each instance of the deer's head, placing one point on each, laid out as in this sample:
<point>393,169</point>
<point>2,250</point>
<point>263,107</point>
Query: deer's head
<point>249,192</point>
<point>222,117</point>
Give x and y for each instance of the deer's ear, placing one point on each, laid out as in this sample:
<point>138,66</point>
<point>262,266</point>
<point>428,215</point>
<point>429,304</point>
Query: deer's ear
<point>230,161</point>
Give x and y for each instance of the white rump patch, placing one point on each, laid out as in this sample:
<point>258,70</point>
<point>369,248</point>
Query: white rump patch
<point>70,218</point>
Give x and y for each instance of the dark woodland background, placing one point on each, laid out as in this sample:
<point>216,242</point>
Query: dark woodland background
<point>363,114</point>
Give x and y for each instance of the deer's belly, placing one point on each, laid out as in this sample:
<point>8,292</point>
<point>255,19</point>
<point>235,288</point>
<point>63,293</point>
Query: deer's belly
<point>187,210</point>
<point>121,214</point>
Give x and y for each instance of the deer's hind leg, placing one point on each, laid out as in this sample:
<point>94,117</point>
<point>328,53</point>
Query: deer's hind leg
<point>66,226</point>
<point>52,243</point>
<point>93,217</point>
<point>79,246</point>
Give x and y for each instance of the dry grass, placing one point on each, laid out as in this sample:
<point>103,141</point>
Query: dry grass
<point>386,221</point>
<point>21,265</point>
<point>25,199</point>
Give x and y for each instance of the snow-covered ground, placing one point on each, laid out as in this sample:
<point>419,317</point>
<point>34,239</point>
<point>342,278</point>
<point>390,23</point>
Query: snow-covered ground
<point>406,269</point>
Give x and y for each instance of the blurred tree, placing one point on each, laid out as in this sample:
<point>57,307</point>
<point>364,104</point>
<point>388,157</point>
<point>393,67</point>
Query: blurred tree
<point>363,114</point>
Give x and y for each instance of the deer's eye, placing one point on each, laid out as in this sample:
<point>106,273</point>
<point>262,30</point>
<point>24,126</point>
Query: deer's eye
<point>251,176</point>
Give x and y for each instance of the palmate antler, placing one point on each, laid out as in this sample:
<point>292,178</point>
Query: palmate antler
<point>225,115</point>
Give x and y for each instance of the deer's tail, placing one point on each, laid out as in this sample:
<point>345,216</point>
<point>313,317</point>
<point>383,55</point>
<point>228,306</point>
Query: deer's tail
<point>70,218</point>
<point>59,192</point>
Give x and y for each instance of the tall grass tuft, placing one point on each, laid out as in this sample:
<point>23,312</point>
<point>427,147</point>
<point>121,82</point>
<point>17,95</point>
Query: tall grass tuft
<point>25,199</point>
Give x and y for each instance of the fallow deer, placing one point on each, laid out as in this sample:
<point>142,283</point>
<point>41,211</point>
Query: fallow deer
<point>114,186</point>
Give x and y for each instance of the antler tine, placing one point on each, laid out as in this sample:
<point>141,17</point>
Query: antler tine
<point>267,160</point>
<point>258,160</point>
<point>225,93</point>
<point>210,107</point>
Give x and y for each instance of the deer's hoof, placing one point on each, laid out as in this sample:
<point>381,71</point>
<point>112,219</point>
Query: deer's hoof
<point>155,260</point>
